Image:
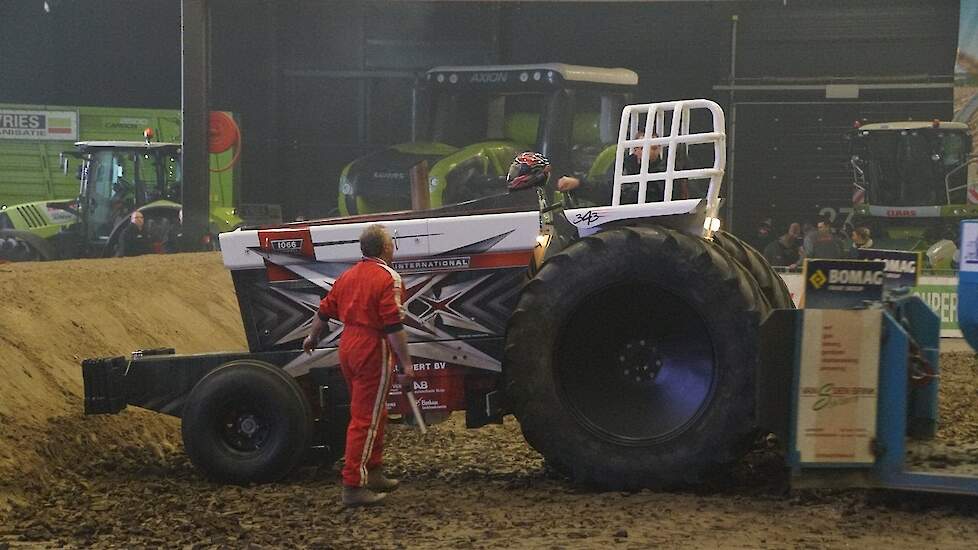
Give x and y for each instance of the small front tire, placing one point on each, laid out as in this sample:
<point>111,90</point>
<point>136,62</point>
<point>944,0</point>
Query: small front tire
<point>246,421</point>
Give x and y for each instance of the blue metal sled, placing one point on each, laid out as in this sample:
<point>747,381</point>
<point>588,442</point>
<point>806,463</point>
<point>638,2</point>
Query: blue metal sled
<point>906,411</point>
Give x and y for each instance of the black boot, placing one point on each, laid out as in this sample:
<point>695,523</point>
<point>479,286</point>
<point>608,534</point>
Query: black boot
<point>377,481</point>
<point>361,496</point>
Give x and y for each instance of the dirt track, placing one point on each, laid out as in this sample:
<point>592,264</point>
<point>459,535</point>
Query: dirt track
<point>55,314</point>
<point>123,481</point>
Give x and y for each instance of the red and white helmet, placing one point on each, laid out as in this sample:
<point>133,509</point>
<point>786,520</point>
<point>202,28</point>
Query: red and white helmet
<point>528,170</point>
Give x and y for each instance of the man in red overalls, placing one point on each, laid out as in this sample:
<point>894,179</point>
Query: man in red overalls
<point>367,300</point>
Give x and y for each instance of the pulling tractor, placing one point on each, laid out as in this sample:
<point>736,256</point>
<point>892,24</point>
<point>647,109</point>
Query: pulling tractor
<point>624,338</point>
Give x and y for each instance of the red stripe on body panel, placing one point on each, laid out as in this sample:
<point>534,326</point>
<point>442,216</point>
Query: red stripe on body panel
<point>501,259</point>
<point>277,273</point>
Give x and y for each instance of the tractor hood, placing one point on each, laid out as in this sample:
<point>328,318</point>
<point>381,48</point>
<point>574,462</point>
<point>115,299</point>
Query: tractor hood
<point>38,216</point>
<point>384,178</point>
<point>387,173</point>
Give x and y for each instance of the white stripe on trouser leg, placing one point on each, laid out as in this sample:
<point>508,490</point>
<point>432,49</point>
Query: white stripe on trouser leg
<point>368,445</point>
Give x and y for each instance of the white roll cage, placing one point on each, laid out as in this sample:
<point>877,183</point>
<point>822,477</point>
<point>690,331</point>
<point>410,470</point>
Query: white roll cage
<point>679,135</point>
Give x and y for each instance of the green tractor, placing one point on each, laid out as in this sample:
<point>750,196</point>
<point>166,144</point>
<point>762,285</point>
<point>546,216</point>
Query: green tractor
<point>911,185</point>
<point>478,118</point>
<point>117,178</point>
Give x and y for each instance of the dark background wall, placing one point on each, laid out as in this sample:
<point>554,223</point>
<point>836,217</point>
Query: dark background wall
<point>129,50</point>
<point>790,161</point>
<point>318,83</point>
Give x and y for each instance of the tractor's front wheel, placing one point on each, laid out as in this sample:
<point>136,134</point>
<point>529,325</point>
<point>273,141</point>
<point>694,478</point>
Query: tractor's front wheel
<point>22,246</point>
<point>246,421</point>
<point>630,359</point>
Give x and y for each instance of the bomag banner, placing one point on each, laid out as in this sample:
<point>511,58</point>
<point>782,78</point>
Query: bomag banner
<point>842,284</point>
<point>52,125</point>
<point>940,293</point>
<point>902,266</point>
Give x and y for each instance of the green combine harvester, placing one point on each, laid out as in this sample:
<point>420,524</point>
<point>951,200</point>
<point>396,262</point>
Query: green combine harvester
<point>478,119</point>
<point>911,185</point>
<point>54,208</point>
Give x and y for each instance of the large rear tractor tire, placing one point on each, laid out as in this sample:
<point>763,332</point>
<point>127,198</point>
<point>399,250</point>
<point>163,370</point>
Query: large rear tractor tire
<point>772,285</point>
<point>246,421</point>
<point>630,359</point>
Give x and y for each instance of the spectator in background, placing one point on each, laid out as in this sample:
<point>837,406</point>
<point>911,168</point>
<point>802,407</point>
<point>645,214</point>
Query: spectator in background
<point>795,231</point>
<point>845,237</point>
<point>847,229</point>
<point>808,232</point>
<point>783,251</point>
<point>825,243</point>
<point>763,235</point>
<point>861,238</point>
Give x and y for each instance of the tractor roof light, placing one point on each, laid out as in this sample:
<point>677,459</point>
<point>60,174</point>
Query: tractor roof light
<point>148,134</point>
<point>856,124</point>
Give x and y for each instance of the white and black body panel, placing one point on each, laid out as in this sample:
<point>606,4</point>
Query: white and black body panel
<point>461,277</point>
<point>688,216</point>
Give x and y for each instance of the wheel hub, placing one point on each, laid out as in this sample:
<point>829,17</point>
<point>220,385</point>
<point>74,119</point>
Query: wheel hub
<point>245,431</point>
<point>640,369</point>
<point>248,425</point>
<point>640,361</point>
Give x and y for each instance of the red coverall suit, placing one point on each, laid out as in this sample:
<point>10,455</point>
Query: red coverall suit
<point>367,299</point>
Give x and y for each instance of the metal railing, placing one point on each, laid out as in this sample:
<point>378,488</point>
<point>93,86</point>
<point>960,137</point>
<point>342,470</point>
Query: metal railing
<point>679,135</point>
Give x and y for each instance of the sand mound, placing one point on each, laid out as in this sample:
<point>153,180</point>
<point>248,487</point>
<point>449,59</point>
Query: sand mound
<point>55,314</point>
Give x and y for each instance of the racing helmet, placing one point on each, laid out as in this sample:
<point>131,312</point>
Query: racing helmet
<point>528,170</point>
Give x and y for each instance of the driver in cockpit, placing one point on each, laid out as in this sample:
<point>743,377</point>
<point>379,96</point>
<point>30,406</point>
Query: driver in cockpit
<point>599,191</point>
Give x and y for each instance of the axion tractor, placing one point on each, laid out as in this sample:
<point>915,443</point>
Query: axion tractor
<point>910,185</point>
<point>117,178</point>
<point>624,338</point>
<point>476,118</point>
